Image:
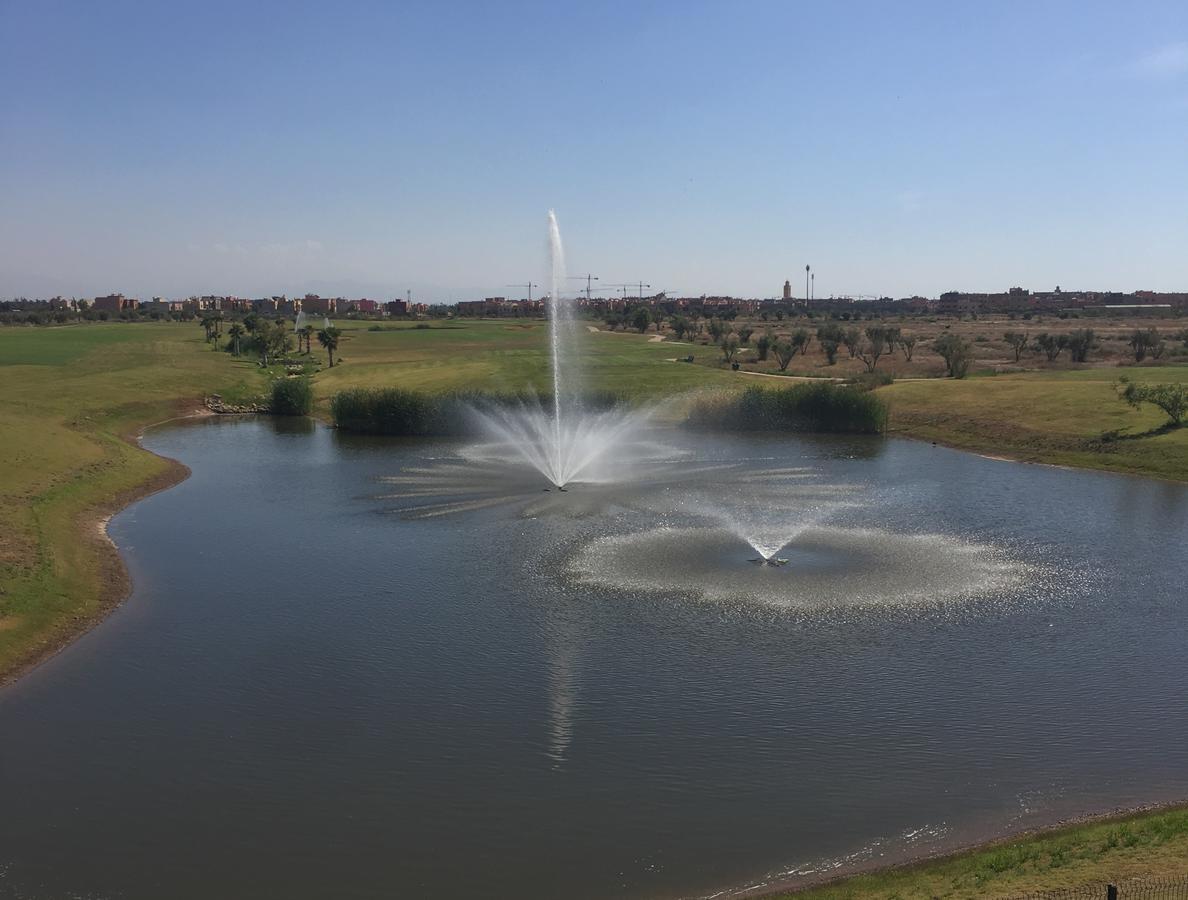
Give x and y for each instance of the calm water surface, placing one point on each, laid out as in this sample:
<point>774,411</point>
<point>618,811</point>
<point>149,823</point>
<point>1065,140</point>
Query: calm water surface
<point>313,695</point>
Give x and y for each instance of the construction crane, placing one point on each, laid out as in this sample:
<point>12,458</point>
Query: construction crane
<point>623,285</point>
<point>588,278</point>
<point>530,285</point>
<point>620,286</point>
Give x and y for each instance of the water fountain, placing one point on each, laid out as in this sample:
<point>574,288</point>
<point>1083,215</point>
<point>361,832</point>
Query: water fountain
<point>703,519</point>
<point>563,440</point>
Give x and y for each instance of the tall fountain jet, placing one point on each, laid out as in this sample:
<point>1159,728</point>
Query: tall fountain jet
<point>570,442</point>
<point>558,331</point>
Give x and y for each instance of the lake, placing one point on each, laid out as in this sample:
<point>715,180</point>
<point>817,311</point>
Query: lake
<point>357,668</point>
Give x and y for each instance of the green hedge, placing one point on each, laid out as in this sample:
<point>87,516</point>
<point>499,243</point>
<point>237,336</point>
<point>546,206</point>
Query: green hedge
<point>809,407</point>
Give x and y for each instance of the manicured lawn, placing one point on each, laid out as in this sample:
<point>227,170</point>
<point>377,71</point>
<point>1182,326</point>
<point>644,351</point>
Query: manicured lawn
<point>507,356</point>
<point>1065,417</point>
<point>1148,845</point>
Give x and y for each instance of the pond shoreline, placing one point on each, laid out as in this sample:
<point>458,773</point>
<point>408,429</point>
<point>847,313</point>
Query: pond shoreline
<point>792,887</point>
<point>114,583</point>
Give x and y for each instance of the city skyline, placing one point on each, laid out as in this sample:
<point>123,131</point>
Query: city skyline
<point>286,149</point>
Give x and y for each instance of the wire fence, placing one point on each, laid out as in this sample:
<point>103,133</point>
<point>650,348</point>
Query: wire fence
<point>1132,889</point>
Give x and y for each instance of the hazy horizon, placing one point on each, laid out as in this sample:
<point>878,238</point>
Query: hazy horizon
<point>366,150</point>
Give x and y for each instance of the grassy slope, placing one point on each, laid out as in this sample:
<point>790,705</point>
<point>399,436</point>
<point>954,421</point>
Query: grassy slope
<point>1144,845</point>
<point>1051,416</point>
<point>70,396</point>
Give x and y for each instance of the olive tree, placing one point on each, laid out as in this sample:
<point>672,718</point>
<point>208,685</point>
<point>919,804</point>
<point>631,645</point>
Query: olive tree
<point>956,352</point>
<point>1017,341</point>
<point>1171,398</point>
<point>1080,342</point>
<point>1051,344</point>
<point>907,343</point>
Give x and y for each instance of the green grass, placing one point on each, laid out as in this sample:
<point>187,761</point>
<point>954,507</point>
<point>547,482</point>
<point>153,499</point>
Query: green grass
<point>58,346</point>
<point>1144,845</point>
<point>506,357</point>
<point>71,395</point>
<point>1052,416</point>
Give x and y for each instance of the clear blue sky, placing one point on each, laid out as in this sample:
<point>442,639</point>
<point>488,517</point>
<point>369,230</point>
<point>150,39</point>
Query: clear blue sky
<point>362,149</point>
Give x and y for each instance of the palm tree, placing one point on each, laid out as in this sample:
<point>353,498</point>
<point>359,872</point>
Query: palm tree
<point>235,332</point>
<point>328,338</point>
<point>306,332</point>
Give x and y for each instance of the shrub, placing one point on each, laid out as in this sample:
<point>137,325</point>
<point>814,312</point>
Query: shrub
<point>811,407</point>
<point>292,396</point>
<point>868,381</point>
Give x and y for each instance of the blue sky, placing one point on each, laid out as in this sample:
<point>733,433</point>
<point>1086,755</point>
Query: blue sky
<point>366,149</point>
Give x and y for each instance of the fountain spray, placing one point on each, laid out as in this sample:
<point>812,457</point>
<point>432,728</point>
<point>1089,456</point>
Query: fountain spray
<point>556,323</point>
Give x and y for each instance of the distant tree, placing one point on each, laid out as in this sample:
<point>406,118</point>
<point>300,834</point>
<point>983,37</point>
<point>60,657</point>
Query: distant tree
<point>235,332</point>
<point>641,318</point>
<point>680,325</point>
<point>1080,342</point>
<point>1017,341</point>
<point>1051,344</point>
<point>763,344</point>
<point>829,336</point>
<point>1171,398</point>
<point>263,338</point>
<point>891,335</point>
<point>852,337</point>
<point>830,347</point>
<point>250,321</point>
<point>801,339</point>
<point>1143,341</point>
<point>729,345</point>
<point>872,347</point>
<point>744,334</point>
<point>281,343</point>
<point>956,352</point>
<point>907,343</point>
<point>304,334</point>
<point>329,338</point>
<point>717,328</point>
<point>784,352</point>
